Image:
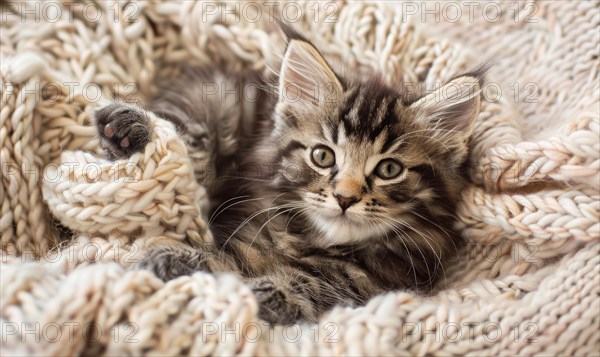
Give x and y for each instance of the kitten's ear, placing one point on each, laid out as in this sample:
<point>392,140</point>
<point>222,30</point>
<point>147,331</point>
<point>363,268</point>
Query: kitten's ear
<point>306,78</point>
<point>451,110</point>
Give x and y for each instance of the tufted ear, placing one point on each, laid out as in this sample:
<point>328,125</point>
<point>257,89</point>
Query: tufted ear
<point>450,111</point>
<point>306,79</point>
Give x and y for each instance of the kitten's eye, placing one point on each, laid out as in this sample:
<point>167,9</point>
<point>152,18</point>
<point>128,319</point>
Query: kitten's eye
<point>322,156</point>
<point>388,169</point>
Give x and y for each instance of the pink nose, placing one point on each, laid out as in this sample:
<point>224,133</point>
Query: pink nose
<point>346,202</point>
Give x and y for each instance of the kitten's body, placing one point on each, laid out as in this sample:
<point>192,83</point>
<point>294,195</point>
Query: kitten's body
<point>306,237</point>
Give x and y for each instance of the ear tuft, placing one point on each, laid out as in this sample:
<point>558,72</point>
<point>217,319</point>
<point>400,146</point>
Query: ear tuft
<point>290,32</point>
<point>306,78</point>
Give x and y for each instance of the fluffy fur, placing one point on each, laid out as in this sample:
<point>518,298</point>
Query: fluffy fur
<point>305,232</point>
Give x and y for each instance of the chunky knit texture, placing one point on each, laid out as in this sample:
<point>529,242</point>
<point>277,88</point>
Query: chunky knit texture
<point>529,282</point>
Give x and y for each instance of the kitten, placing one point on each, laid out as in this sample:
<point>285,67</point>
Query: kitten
<point>353,186</point>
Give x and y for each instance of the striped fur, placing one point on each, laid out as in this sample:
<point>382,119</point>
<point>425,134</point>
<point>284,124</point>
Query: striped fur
<point>278,219</point>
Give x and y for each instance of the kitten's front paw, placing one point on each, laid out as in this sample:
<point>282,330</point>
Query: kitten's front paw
<point>169,264</point>
<point>123,129</point>
<point>276,305</point>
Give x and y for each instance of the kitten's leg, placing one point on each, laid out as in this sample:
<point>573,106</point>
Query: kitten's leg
<point>212,115</point>
<point>290,295</point>
<point>170,262</point>
<point>123,129</point>
<point>285,297</point>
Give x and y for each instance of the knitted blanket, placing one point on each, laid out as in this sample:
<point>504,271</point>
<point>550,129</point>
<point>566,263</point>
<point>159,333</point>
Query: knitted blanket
<point>527,283</point>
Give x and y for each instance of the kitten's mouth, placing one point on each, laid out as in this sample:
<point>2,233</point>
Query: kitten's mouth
<point>344,218</point>
<point>342,228</point>
<point>339,216</point>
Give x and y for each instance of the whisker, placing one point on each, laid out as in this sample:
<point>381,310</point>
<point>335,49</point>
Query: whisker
<point>254,216</point>
<point>217,212</point>
<point>269,220</point>
<point>439,263</point>
<point>412,264</point>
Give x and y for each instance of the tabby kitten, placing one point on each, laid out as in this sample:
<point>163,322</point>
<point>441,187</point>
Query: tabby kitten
<point>345,188</point>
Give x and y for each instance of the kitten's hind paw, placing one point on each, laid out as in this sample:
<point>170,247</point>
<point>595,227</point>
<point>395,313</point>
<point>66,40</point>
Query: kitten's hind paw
<point>123,129</point>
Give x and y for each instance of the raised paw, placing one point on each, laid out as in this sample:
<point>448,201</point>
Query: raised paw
<point>123,129</point>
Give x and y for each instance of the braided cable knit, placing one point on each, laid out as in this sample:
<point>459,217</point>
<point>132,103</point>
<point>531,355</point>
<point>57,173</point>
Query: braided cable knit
<point>155,189</point>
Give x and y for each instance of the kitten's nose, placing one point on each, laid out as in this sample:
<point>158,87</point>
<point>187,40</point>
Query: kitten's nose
<point>346,202</point>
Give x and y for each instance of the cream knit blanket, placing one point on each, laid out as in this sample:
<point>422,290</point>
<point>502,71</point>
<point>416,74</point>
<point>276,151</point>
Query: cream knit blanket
<point>529,282</point>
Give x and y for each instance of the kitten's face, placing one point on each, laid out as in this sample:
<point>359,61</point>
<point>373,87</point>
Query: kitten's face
<point>359,162</point>
<point>358,184</point>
